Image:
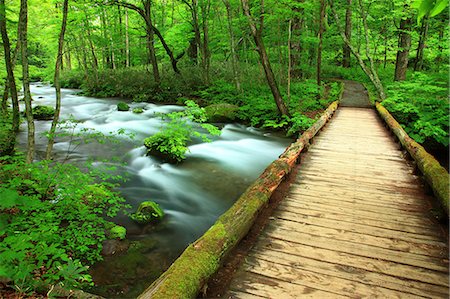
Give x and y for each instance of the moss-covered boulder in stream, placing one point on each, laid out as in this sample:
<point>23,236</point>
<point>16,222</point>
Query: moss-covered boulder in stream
<point>148,212</point>
<point>123,106</point>
<point>118,232</point>
<point>43,112</point>
<point>138,110</point>
<point>221,113</point>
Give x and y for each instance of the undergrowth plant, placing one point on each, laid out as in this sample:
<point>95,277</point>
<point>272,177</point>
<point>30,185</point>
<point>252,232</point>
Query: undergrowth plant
<point>52,223</point>
<point>171,142</point>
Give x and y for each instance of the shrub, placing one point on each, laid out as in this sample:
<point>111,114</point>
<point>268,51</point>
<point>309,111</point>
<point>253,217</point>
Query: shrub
<point>138,110</point>
<point>51,223</point>
<point>171,143</point>
<point>148,212</point>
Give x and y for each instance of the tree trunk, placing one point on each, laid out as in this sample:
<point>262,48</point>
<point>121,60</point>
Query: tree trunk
<point>348,34</point>
<point>319,48</point>
<point>127,41</point>
<point>56,82</point>
<point>264,59</point>
<point>9,147</point>
<point>370,72</point>
<point>206,55</point>
<point>418,64</point>
<point>151,40</point>
<point>404,44</point>
<point>232,45</point>
<point>289,60</point>
<point>7,85</point>
<point>23,25</point>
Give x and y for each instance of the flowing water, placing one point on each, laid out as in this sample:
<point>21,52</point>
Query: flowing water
<point>193,194</point>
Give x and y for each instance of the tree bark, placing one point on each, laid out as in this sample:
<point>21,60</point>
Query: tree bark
<point>127,41</point>
<point>418,64</point>
<point>232,45</point>
<point>23,25</point>
<point>264,59</point>
<point>404,44</point>
<point>56,82</point>
<point>348,33</point>
<point>206,55</point>
<point>9,148</point>
<point>7,85</point>
<point>151,40</point>
<point>319,48</point>
<point>370,72</point>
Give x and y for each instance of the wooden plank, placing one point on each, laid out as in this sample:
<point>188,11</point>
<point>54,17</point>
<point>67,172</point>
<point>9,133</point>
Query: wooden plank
<point>298,274</point>
<point>376,194</point>
<point>344,259</point>
<point>417,222</point>
<point>271,287</point>
<point>369,199</point>
<point>358,249</point>
<point>366,236</point>
<point>425,238</point>
<point>348,272</point>
<point>241,295</point>
<point>406,232</point>
<point>355,204</point>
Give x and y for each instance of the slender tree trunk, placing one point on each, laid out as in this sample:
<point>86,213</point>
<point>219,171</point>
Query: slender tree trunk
<point>91,45</point>
<point>319,48</point>
<point>56,81</point>
<point>440,48</point>
<point>151,40</point>
<point>11,80</point>
<point>264,59</point>
<point>348,34</point>
<point>232,45</point>
<point>404,44</point>
<point>289,60</point>
<point>370,72</point>
<point>206,55</point>
<point>127,41</point>
<point>418,64</point>
<point>23,24</point>
<point>7,85</point>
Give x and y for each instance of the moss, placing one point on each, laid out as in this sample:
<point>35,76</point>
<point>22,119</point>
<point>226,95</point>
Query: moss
<point>138,110</point>
<point>221,113</point>
<point>43,112</point>
<point>148,212</point>
<point>118,232</point>
<point>123,106</point>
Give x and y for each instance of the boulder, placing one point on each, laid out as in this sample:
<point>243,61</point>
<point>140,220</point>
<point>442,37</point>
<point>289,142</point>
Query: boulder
<point>123,106</point>
<point>221,113</point>
<point>148,212</point>
<point>117,232</point>
<point>43,112</point>
<point>138,110</point>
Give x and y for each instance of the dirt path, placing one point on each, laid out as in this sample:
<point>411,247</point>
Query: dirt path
<point>355,95</point>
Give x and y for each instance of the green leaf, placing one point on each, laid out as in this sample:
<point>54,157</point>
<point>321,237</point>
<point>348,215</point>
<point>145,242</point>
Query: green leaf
<point>9,198</point>
<point>438,7</point>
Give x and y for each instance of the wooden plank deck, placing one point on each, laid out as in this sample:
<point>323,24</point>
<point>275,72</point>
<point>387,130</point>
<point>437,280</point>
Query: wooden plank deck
<point>355,224</point>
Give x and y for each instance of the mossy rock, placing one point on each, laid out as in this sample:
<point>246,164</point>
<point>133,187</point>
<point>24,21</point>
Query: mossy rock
<point>221,113</point>
<point>138,110</point>
<point>117,232</point>
<point>148,212</point>
<point>43,112</point>
<point>123,106</point>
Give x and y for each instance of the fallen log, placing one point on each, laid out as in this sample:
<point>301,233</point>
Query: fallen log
<point>435,175</point>
<point>190,272</point>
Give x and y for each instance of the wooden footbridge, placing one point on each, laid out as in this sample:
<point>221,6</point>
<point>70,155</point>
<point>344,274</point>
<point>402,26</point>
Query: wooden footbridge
<point>355,223</point>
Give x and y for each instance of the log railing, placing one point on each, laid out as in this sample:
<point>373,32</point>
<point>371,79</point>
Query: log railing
<point>434,174</point>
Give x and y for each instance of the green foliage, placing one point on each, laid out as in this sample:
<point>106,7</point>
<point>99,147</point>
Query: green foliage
<point>421,106</point>
<point>148,212</point>
<point>171,143</point>
<point>299,124</point>
<point>138,110</point>
<point>43,112</point>
<point>51,223</point>
<point>118,232</point>
<point>123,106</point>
